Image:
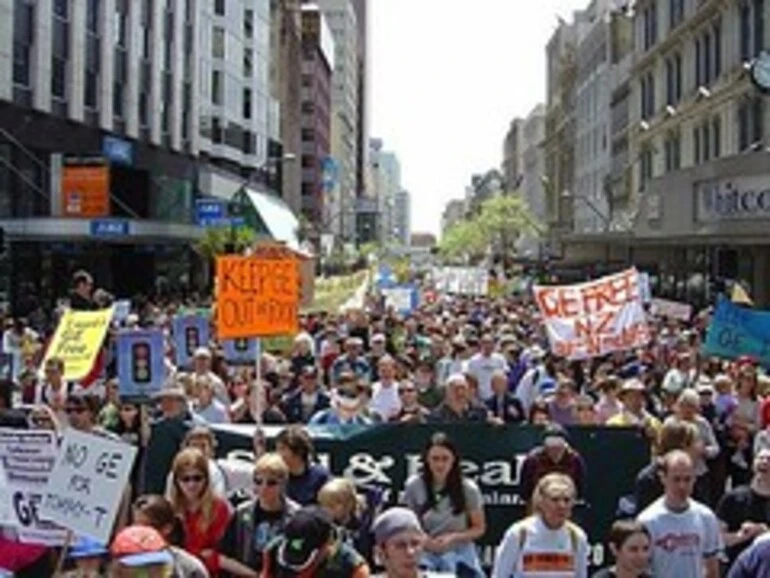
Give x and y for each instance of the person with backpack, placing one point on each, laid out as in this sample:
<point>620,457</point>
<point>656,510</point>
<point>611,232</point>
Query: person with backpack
<point>546,544</point>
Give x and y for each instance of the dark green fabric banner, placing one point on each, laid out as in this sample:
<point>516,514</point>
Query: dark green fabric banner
<point>387,455</point>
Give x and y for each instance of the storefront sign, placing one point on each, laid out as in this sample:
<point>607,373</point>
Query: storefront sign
<point>85,191</point>
<point>741,198</point>
<point>110,228</point>
<point>594,318</point>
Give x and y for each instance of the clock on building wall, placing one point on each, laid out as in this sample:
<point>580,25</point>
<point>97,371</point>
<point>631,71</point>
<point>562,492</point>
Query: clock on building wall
<point>760,72</point>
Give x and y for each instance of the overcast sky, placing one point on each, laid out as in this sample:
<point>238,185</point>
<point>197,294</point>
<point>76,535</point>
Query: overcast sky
<point>447,79</point>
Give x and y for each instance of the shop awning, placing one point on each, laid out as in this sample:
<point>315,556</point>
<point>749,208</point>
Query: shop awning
<point>277,217</point>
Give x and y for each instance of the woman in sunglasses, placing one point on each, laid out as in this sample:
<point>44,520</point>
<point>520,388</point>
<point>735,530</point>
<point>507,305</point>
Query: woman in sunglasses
<point>204,514</point>
<point>257,522</point>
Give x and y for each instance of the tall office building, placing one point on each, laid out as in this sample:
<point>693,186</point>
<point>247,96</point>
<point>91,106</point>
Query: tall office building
<point>532,167</point>
<point>317,66</point>
<point>402,218</point>
<point>385,170</point>
<point>341,214</point>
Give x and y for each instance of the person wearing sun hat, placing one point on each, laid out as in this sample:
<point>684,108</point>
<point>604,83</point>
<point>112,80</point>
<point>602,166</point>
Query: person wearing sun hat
<point>89,556</point>
<point>140,551</point>
<point>310,546</point>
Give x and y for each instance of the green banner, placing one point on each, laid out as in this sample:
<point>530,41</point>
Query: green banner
<point>387,455</point>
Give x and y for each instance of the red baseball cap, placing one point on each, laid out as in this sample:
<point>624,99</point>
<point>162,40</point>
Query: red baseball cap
<point>138,546</point>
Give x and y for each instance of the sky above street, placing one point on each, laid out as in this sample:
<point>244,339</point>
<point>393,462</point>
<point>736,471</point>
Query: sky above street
<point>447,79</point>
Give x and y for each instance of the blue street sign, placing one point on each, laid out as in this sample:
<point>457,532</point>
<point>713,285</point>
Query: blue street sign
<point>328,174</point>
<point>110,228</point>
<point>118,150</point>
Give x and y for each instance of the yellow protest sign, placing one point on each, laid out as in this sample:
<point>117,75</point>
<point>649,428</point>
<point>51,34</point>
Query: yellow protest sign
<point>77,341</point>
<point>256,297</point>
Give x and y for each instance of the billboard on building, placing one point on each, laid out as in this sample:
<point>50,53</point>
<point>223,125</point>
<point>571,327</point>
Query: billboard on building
<point>85,191</point>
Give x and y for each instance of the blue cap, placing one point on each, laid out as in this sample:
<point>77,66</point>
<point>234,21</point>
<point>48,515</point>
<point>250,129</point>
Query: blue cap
<point>86,547</point>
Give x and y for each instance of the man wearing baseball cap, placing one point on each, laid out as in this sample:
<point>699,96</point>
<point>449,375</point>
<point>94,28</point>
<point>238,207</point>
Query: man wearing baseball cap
<point>140,551</point>
<point>399,539</point>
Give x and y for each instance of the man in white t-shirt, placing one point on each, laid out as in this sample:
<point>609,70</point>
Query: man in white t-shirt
<point>686,539</point>
<point>547,544</point>
<point>484,364</point>
<point>385,400</point>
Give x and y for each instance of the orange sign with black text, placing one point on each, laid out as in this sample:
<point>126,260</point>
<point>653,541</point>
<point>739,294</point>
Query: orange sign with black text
<point>256,297</point>
<point>85,191</point>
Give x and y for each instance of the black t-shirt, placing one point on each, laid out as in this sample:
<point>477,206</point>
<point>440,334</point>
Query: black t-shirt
<point>739,505</point>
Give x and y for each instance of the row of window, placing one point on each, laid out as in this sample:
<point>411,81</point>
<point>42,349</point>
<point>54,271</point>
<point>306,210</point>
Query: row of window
<point>707,140</point>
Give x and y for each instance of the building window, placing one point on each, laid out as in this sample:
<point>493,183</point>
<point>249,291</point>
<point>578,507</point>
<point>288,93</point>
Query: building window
<point>676,13</point>
<point>751,28</point>
<point>248,62</point>
<point>218,42</point>
<point>759,26</point>
<point>696,146</point>
<point>93,55</point>
<point>59,78</point>
<point>216,131</point>
<point>92,16</point>
<point>750,130</point>
<point>216,87</point>
<point>307,80</point>
<point>308,161</point>
<point>248,23</point>
<point>219,7</point>
<point>705,142</point>
<point>672,148</point>
<point>23,37</point>
<point>706,51</point>
<point>308,135</point>
<point>716,135</point>
<point>117,99</point>
<point>650,23</point>
<point>61,9</point>
<point>674,79</point>
<point>717,33</point>
<point>645,167</point>
<point>247,103</point>
<point>648,96</point>
<point>697,61</point>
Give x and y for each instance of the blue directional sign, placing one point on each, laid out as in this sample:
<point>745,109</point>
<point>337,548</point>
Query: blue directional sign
<point>118,150</point>
<point>213,213</point>
<point>109,228</point>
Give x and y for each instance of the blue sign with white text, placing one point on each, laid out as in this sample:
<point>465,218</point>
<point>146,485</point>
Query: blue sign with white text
<point>141,371</point>
<point>736,331</point>
<point>109,228</point>
<point>190,332</point>
<point>213,213</point>
<point>118,150</point>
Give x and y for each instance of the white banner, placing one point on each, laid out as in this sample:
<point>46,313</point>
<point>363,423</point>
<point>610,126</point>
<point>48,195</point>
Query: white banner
<point>87,484</point>
<point>462,280</point>
<point>671,309</point>
<point>594,318</point>
<point>27,458</point>
<point>399,298</point>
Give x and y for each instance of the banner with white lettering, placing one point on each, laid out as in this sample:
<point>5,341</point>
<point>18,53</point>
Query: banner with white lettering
<point>595,318</point>
<point>27,458</point>
<point>87,484</point>
<point>462,280</point>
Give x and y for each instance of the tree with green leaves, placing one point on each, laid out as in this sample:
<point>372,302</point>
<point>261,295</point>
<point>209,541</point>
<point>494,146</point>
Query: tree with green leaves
<point>503,220</point>
<point>217,241</point>
<point>462,241</point>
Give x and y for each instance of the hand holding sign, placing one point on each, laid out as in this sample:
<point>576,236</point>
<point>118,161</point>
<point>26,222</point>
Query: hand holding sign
<point>87,484</point>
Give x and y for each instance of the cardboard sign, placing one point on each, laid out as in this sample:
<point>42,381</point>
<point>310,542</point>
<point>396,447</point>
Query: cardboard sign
<point>671,309</point>
<point>241,351</point>
<point>141,371</point>
<point>87,484</point>
<point>190,332</point>
<point>595,318</point>
<point>256,297</point>
<point>27,458</point>
<point>736,331</point>
<point>77,341</point>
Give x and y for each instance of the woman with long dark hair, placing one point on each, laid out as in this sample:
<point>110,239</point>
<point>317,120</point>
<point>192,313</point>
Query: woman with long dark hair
<point>450,507</point>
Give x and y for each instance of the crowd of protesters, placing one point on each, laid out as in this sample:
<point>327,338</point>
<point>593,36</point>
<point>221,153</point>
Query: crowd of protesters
<point>701,507</point>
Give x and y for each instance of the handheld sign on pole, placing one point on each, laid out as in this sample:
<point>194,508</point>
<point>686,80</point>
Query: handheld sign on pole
<point>240,351</point>
<point>27,458</point>
<point>141,370</point>
<point>87,484</point>
<point>736,331</point>
<point>256,296</point>
<point>77,341</point>
<point>190,332</point>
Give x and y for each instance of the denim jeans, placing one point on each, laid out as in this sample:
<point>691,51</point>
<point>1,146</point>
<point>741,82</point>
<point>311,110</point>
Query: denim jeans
<point>462,560</point>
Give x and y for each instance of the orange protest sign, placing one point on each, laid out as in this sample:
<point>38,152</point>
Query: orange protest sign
<point>256,297</point>
<point>85,191</point>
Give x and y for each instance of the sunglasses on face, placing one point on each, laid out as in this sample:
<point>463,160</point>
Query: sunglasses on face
<point>268,482</point>
<point>194,479</point>
<point>404,390</point>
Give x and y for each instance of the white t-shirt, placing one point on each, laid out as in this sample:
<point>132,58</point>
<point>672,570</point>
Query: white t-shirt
<point>681,540</point>
<point>482,367</point>
<point>385,401</point>
<point>530,549</point>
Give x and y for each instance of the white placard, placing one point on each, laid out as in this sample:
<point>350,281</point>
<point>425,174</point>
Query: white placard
<point>87,484</point>
<point>462,280</point>
<point>28,458</point>
<point>399,298</point>
<point>672,309</point>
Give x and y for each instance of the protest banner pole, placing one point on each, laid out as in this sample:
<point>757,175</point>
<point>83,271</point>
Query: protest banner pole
<point>259,386</point>
<point>58,570</point>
